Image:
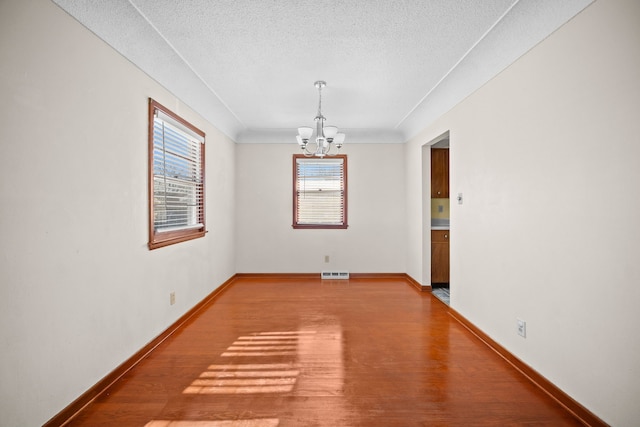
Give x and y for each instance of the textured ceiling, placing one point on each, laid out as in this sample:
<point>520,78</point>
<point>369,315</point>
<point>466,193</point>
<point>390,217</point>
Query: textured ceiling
<point>391,66</point>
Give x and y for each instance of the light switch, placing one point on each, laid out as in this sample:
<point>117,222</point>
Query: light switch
<point>459,198</point>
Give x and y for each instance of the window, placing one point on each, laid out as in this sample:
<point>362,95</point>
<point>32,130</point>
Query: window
<point>176,178</point>
<point>319,192</point>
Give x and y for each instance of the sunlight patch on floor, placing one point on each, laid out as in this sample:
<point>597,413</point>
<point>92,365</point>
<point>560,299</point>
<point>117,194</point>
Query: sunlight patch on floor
<point>255,377</point>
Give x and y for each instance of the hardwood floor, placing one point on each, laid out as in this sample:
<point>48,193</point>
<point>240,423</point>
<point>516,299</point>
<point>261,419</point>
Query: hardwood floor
<point>306,352</point>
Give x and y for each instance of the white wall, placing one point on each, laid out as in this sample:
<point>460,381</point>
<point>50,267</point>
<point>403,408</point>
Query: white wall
<point>546,155</point>
<point>374,241</point>
<point>79,290</point>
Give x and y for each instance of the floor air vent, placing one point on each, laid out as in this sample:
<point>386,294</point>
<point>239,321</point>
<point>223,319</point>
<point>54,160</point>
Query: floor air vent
<point>334,275</point>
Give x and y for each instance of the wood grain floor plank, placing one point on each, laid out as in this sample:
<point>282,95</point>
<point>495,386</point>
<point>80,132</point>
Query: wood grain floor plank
<point>359,352</point>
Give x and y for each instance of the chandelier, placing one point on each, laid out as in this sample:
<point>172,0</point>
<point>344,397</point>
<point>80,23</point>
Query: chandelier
<point>325,137</point>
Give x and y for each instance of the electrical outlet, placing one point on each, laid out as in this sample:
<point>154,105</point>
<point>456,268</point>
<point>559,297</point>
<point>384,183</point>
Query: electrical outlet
<point>522,328</point>
<point>326,258</point>
<point>172,298</point>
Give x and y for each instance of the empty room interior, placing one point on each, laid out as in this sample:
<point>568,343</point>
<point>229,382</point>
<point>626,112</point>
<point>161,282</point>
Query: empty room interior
<point>297,213</point>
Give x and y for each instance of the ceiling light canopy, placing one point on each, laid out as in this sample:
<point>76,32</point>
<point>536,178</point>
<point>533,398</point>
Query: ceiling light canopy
<point>325,136</point>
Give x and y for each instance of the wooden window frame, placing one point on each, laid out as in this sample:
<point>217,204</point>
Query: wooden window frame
<point>344,224</point>
<point>158,239</point>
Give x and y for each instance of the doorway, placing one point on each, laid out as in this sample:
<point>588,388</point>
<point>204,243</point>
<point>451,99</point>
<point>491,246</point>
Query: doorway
<point>436,222</point>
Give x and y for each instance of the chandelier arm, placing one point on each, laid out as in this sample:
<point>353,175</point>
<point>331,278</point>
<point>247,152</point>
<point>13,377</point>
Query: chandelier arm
<point>306,151</point>
<point>337,150</point>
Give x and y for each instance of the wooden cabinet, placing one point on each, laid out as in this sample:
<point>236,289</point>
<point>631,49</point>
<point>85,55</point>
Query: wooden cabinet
<point>439,256</point>
<point>439,238</point>
<point>439,173</point>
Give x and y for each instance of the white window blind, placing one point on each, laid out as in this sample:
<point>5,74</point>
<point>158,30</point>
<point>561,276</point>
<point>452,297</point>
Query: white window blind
<point>178,181</point>
<point>320,192</point>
